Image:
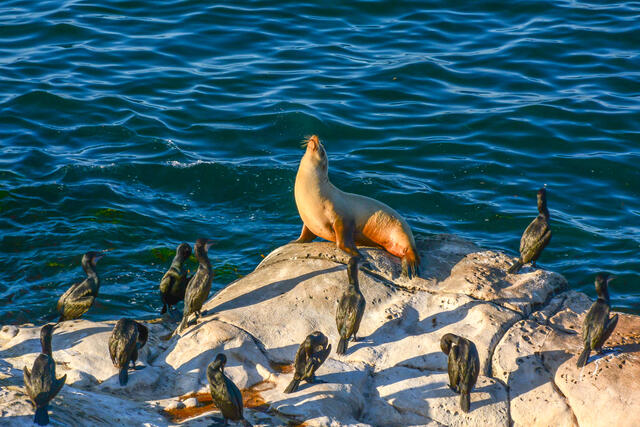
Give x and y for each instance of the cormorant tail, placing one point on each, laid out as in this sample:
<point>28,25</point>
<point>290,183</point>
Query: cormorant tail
<point>61,319</point>
<point>293,386</point>
<point>465,400</point>
<point>342,346</point>
<point>164,309</point>
<point>183,324</point>
<point>123,377</point>
<point>584,356</point>
<point>515,267</point>
<point>42,417</point>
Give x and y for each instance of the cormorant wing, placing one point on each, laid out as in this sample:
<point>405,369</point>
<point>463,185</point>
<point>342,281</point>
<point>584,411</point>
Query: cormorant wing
<point>26,375</point>
<point>300,361</point>
<point>235,396</point>
<point>121,348</point>
<point>533,234</point>
<point>57,386</point>
<point>167,281</point>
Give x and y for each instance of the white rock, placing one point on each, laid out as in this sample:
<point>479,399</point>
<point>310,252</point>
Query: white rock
<point>395,375</point>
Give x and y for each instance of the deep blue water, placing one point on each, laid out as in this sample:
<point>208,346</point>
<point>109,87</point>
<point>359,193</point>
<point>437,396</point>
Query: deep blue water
<point>135,125</point>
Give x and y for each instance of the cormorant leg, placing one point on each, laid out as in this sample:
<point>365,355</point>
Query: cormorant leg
<point>533,264</point>
<point>354,338</point>
<point>306,235</point>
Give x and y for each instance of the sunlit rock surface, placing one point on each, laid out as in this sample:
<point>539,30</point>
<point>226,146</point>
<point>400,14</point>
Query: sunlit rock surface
<point>526,328</point>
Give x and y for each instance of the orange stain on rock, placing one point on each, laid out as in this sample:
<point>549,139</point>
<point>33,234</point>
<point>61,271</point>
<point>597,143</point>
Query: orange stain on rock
<point>250,396</point>
<point>283,368</point>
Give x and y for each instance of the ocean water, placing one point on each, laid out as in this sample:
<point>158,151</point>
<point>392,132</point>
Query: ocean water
<point>131,126</point>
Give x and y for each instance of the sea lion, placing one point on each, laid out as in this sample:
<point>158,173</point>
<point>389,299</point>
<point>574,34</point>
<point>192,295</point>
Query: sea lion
<point>345,218</point>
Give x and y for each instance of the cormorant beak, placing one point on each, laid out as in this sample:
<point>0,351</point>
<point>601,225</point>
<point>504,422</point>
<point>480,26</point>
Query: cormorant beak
<point>209,244</point>
<point>611,278</point>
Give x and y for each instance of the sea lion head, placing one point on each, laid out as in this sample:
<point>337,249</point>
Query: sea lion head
<point>316,154</point>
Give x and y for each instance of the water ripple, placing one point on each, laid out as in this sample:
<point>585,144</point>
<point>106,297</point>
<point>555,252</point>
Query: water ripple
<point>134,125</point>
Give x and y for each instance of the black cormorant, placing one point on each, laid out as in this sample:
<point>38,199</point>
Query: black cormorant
<point>225,394</point>
<point>41,383</point>
<point>536,236</point>
<point>350,308</point>
<point>463,366</point>
<point>174,282</point>
<point>127,337</point>
<point>597,326</point>
<point>80,296</point>
<point>313,351</point>
<point>199,285</point>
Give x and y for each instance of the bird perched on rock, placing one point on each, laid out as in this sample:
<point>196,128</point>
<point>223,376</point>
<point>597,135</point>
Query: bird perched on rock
<point>41,383</point>
<point>200,284</point>
<point>225,394</point>
<point>597,326</point>
<point>127,338</point>
<point>536,236</point>
<point>350,308</point>
<point>174,282</point>
<point>310,355</point>
<point>463,366</point>
<point>80,296</point>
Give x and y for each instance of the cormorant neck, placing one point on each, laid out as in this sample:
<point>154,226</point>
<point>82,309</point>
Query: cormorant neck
<point>542,207</point>
<point>89,269</point>
<point>203,260</point>
<point>604,295</point>
<point>46,345</point>
<point>178,260</point>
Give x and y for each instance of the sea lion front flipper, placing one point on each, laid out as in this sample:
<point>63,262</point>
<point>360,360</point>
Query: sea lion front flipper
<point>306,235</point>
<point>344,237</point>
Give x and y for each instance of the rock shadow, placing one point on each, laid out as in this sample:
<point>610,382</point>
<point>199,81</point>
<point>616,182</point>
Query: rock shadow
<point>408,325</point>
<point>267,292</point>
<point>549,361</point>
<point>70,339</point>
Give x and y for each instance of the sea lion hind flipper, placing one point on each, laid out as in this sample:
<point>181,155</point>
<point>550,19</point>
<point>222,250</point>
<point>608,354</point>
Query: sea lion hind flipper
<point>410,264</point>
